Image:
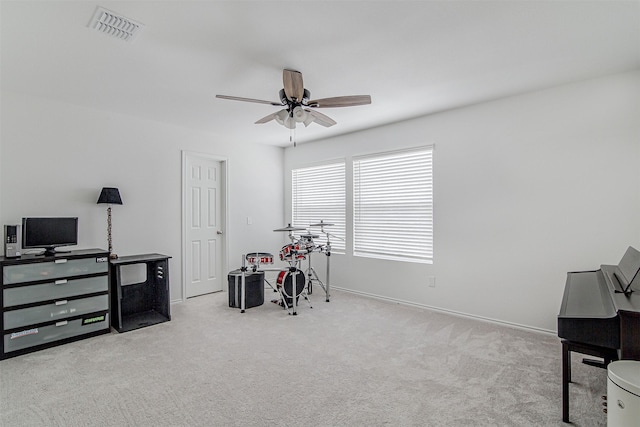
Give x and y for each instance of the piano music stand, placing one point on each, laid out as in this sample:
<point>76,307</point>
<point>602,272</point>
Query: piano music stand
<point>626,290</point>
<point>608,354</point>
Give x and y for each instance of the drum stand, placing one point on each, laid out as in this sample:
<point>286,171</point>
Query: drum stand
<point>327,252</point>
<point>243,269</point>
<point>313,276</point>
<point>326,249</point>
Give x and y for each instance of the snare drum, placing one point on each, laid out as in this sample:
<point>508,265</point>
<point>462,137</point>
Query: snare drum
<point>286,253</point>
<point>257,258</point>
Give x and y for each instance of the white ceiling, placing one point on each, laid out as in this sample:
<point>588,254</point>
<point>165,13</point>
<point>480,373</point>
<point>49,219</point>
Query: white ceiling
<point>412,57</point>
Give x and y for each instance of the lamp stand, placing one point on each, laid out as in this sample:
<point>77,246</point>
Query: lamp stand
<point>111,254</point>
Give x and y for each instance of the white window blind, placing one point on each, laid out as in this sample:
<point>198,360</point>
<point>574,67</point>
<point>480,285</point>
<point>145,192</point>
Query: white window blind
<point>318,193</point>
<point>393,205</point>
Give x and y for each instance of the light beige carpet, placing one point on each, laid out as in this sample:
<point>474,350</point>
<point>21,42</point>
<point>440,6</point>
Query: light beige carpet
<point>354,361</point>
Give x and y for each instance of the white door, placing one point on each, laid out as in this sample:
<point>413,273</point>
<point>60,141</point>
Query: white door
<point>203,228</point>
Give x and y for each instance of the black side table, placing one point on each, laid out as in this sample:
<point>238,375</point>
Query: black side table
<point>143,304</point>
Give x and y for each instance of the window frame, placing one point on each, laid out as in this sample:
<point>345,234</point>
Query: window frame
<point>335,214</point>
<point>387,225</point>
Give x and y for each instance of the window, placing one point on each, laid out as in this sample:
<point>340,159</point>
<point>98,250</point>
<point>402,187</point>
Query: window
<point>393,205</point>
<point>318,193</point>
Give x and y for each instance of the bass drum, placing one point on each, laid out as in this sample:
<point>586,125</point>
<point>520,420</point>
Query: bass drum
<point>285,283</point>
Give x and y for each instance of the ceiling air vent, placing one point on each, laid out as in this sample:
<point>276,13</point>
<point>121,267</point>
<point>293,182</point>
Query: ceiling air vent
<point>115,25</point>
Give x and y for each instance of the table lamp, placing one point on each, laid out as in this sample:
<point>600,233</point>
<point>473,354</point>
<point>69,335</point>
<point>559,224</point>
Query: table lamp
<point>110,196</point>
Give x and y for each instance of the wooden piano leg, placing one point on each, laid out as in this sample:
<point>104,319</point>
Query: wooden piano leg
<point>566,379</point>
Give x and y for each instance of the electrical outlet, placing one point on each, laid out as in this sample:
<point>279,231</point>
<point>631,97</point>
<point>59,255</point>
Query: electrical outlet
<point>431,280</point>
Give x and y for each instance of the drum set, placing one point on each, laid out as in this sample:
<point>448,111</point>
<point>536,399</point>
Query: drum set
<point>291,283</point>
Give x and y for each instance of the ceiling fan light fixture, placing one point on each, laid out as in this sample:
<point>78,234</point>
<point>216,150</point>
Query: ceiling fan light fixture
<point>299,114</point>
<point>290,123</point>
<point>281,116</point>
<point>284,118</point>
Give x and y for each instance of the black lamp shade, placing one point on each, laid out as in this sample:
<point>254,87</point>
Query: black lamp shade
<point>110,195</point>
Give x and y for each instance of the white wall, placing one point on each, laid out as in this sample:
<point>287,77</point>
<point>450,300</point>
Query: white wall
<point>526,188</point>
<point>56,157</point>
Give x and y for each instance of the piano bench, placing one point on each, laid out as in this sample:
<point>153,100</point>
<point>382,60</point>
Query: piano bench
<point>608,354</point>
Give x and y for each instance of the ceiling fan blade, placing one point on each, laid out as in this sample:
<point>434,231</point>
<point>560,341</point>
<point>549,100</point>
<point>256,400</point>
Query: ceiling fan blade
<point>259,101</point>
<point>266,119</point>
<point>321,119</point>
<point>340,101</point>
<point>293,86</point>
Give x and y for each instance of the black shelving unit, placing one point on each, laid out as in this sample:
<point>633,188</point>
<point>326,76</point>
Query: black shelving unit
<point>143,304</point>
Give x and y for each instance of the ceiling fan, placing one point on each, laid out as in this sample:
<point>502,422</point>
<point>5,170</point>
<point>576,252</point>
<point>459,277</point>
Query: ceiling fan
<point>298,107</point>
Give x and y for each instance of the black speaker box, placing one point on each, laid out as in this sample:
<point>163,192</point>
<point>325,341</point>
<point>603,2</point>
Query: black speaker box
<point>254,288</point>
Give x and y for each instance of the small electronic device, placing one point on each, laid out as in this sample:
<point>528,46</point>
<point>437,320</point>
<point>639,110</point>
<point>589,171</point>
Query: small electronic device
<point>49,233</point>
<point>12,241</point>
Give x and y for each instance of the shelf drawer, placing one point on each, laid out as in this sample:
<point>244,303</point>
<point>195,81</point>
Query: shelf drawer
<point>58,269</point>
<point>59,289</point>
<point>47,334</point>
<point>60,310</point>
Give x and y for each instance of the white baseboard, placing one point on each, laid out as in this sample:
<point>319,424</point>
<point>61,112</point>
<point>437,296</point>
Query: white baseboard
<point>444,310</point>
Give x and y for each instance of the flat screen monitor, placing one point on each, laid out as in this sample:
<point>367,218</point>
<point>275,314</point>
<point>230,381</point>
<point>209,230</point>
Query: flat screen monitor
<point>49,233</point>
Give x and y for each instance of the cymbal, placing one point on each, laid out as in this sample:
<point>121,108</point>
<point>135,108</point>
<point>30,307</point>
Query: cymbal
<point>289,227</point>
<point>320,224</point>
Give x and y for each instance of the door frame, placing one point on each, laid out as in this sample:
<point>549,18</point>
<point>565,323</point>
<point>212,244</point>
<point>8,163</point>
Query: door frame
<point>224,209</point>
